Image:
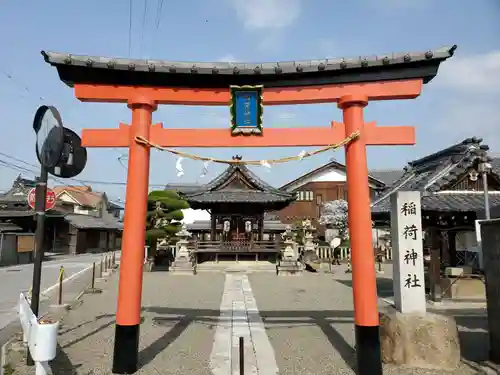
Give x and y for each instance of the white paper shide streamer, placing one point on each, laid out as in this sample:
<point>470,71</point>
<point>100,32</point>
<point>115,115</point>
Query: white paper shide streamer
<point>265,164</point>
<point>302,154</point>
<point>204,172</point>
<point>178,166</point>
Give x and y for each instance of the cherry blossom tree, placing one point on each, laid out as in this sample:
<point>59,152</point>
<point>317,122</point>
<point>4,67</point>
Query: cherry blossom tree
<point>335,216</point>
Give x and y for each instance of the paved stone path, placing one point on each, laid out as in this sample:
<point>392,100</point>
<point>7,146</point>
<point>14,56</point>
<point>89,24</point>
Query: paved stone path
<point>191,325</point>
<point>239,317</point>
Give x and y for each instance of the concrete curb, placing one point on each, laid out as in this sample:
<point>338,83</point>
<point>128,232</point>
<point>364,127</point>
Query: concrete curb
<point>3,354</point>
<point>75,301</point>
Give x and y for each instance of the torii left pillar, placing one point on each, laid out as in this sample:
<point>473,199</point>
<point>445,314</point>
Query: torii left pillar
<point>128,317</point>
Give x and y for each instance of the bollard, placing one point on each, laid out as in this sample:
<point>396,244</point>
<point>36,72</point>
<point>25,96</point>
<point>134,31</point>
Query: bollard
<point>113,261</point>
<point>61,277</point>
<point>93,276</point>
<point>242,356</point>
<point>105,264</point>
<point>109,263</point>
<point>100,269</point>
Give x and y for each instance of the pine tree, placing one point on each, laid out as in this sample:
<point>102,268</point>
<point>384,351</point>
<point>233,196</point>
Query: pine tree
<point>164,217</point>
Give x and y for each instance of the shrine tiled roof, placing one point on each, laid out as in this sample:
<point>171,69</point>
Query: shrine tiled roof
<point>125,71</point>
<point>238,196</point>
<point>237,184</point>
<point>434,173</point>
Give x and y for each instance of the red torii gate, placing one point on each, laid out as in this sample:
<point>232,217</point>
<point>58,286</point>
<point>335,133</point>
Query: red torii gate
<point>142,85</point>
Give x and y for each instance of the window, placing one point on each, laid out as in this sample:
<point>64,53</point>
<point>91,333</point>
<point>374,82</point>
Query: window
<point>319,205</point>
<point>305,196</point>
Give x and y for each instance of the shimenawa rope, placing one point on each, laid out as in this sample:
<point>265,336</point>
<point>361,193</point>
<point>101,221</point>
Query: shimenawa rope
<point>301,156</point>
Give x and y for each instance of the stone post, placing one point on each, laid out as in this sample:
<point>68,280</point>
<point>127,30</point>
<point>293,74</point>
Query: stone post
<point>182,263</point>
<point>490,236</point>
<point>408,262</point>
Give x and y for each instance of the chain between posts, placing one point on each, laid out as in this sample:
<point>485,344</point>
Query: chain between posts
<point>335,146</point>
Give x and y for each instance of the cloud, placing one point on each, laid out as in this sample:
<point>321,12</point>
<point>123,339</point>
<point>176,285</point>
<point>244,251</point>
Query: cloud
<point>477,73</point>
<point>470,90</point>
<point>267,14</point>
<point>228,58</point>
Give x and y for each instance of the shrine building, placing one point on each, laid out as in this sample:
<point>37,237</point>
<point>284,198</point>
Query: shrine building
<point>239,228</point>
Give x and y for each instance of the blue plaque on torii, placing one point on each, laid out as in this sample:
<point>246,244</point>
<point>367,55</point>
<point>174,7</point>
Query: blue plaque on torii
<point>246,110</point>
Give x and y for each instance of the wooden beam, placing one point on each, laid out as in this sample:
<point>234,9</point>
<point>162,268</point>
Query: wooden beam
<point>385,90</point>
<point>272,137</point>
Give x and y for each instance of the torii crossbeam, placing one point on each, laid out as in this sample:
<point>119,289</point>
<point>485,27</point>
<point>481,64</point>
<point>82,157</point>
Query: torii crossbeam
<point>351,83</point>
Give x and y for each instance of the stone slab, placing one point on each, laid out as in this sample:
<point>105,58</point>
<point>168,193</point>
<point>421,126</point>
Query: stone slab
<point>424,340</point>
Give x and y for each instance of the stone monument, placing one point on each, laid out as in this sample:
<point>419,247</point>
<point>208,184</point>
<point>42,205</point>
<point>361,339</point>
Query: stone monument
<point>289,264</point>
<point>409,335</point>
<point>183,264</point>
<point>408,255</point>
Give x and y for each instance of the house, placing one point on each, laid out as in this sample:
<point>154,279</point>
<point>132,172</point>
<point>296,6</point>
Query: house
<point>83,200</point>
<point>452,196</point>
<point>91,221</point>
<point>80,222</point>
<point>313,189</point>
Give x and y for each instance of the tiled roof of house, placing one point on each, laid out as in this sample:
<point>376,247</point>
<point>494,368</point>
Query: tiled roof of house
<point>19,191</point>
<point>447,203</point>
<point>332,164</point>
<point>91,222</point>
<point>82,194</point>
<point>434,172</point>
<point>387,176</point>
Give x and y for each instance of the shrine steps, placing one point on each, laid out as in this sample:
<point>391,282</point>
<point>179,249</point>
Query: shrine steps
<point>242,266</point>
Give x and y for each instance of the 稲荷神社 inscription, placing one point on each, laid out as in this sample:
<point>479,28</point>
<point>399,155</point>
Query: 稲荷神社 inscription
<point>406,229</point>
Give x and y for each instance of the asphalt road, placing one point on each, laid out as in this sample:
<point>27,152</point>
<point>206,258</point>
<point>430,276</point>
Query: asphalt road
<point>17,279</point>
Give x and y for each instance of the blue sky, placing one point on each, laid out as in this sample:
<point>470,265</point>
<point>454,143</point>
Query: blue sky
<point>459,103</point>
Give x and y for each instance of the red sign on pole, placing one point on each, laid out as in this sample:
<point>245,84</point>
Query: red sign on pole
<point>50,199</point>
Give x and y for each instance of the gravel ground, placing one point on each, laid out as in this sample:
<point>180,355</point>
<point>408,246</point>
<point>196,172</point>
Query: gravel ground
<point>308,319</point>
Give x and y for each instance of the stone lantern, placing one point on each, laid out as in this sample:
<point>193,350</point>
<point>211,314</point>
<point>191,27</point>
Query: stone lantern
<point>289,264</point>
<point>183,263</point>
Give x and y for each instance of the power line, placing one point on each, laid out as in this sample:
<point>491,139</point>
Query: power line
<point>159,7</point>
<point>19,168</point>
<point>144,14</point>
<point>21,85</point>
<point>158,13</point>
<point>130,29</point>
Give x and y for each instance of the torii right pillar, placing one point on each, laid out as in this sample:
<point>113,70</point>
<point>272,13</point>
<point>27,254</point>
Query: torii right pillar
<point>364,280</point>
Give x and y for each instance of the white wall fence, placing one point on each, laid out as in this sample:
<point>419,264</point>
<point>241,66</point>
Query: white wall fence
<point>324,253</point>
